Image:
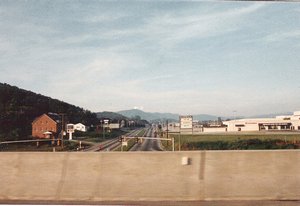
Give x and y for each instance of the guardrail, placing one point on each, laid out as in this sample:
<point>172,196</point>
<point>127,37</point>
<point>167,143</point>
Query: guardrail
<point>25,141</point>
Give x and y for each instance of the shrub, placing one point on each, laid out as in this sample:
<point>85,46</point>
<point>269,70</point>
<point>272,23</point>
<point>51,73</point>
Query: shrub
<point>249,144</point>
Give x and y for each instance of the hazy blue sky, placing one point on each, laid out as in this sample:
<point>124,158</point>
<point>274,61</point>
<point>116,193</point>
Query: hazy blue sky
<point>162,56</point>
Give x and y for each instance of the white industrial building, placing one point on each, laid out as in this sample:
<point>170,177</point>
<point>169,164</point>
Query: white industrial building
<point>287,122</point>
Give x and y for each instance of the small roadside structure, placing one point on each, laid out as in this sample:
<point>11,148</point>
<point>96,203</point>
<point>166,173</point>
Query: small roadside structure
<point>114,126</point>
<point>70,130</point>
<point>80,127</point>
<point>47,135</point>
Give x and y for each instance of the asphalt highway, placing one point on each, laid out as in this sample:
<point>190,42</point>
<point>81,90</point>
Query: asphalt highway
<point>148,144</point>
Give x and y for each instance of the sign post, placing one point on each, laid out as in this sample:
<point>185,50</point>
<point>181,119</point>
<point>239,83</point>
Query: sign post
<point>186,123</point>
<point>105,124</point>
<point>70,130</point>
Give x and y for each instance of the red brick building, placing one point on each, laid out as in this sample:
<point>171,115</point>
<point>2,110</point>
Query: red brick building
<point>46,126</point>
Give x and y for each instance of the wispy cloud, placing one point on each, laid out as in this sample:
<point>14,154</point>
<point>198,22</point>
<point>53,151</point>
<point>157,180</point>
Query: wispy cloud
<point>103,66</point>
<point>175,28</point>
<point>6,46</point>
<point>282,36</point>
<point>162,55</point>
<point>172,28</point>
<point>105,17</point>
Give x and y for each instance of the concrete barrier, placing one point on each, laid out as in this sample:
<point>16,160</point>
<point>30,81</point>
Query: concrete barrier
<point>151,176</point>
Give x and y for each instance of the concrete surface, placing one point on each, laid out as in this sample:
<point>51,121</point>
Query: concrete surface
<point>161,203</point>
<point>150,176</point>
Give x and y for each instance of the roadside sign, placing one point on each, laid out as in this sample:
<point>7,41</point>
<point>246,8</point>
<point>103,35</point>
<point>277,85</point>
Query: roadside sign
<point>70,128</point>
<point>124,144</point>
<point>186,122</point>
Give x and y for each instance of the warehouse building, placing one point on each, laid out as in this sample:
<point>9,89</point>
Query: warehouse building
<point>286,122</point>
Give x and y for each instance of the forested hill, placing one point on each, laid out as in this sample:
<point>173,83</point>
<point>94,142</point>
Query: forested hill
<point>18,108</point>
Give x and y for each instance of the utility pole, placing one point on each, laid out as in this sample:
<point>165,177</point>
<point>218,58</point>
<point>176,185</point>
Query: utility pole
<point>103,133</point>
<point>102,127</point>
<point>104,124</point>
<point>167,132</point>
<point>167,129</point>
<point>62,128</point>
<point>179,147</point>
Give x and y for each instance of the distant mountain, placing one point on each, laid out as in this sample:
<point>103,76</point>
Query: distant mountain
<point>233,117</point>
<point>258,116</point>
<point>271,115</point>
<point>156,117</point>
<point>19,107</point>
<point>110,115</point>
<point>204,117</point>
<point>162,116</point>
<point>147,115</point>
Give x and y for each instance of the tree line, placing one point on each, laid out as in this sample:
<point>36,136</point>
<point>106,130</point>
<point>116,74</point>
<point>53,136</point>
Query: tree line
<point>19,107</point>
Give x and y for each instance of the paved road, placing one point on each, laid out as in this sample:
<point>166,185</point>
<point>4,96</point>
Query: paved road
<point>108,145</point>
<point>148,144</point>
<point>145,145</point>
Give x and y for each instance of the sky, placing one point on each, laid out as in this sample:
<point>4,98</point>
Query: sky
<point>186,57</point>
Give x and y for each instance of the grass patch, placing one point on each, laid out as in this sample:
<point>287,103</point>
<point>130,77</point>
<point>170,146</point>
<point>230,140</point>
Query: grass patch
<point>98,137</point>
<point>130,144</point>
<point>141,133</point>
<point>235,141</point>
<point>26,147</point>
<point>42,147</point>
<point>249,144</point>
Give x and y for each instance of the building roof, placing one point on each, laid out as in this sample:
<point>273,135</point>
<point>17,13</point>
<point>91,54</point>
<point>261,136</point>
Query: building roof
<point>55,117</point>
<point>279,119</point>
<point>257,120</point>
<point>80,124</point>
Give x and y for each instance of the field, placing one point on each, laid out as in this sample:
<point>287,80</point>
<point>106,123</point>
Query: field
<point>225,141</point>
